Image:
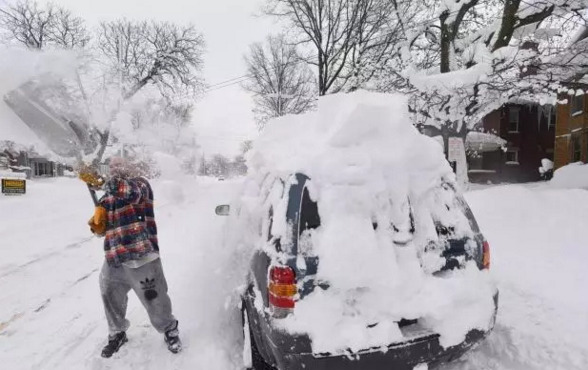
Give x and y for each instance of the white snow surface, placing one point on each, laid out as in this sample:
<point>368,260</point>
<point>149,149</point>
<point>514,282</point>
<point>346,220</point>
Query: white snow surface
<point>538,239</point>
<point>12,175</point>
<point>571,176</point>
<point>51,315</point>
<point>367,163</point>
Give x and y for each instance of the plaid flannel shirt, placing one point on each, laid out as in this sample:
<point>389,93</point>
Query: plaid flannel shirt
<point>131,232</point>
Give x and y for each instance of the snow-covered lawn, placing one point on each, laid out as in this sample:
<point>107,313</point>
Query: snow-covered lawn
<point>51,313</point>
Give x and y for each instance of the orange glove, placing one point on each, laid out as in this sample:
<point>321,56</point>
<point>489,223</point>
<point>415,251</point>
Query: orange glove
<point>97,222</point>
<point>91,177</point>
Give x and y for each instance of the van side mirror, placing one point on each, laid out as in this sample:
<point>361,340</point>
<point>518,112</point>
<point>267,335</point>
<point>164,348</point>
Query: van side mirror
<point>223,210</point>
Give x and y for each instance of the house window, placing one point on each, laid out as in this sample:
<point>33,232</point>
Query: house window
<point>513,119</point>
<point>577,104</point>
<point>551,117</point>
<point>586,146</point>
<point>40,169</point>
<point>576,149</point>
<point>512,156</point>
<point>309,214</point>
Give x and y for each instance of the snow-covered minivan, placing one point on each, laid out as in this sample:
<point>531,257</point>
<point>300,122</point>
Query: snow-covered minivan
<point>363,253</point>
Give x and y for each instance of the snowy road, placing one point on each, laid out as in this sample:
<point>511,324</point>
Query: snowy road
<point>538,239</point>
<point>51,314</point>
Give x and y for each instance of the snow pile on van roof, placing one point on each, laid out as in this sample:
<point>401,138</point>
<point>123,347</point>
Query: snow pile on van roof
<point>380,187</point>
<point>353,138</point>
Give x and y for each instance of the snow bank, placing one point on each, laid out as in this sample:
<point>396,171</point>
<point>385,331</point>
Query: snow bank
<point>12,175</point>
<point>574,175</point>
<point>369,165</point>
<point>538,239</point>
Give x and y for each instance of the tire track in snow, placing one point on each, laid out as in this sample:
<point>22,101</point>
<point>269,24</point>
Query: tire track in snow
<point>45,256</point>
<point>45,303</point>
<point>55,358</point>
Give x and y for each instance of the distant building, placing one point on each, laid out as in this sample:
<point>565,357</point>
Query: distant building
<point>34,167</point>
<point>529,132</point>
<point>571,140</point>
<point>42,167</point>
<point>571,136</point>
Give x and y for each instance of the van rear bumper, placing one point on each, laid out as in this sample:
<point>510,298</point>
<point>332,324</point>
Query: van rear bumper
<point>399,356</point>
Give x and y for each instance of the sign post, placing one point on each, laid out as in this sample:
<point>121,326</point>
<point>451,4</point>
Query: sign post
<point>457,159</point>
<point>14,186</point>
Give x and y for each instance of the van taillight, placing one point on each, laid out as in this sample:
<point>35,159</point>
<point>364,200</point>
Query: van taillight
<point>486,255</point>
<point>282,290</point>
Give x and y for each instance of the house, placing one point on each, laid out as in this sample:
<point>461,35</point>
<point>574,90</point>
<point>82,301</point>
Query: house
<point>42,167</point>
<point>16,159</point>
<point>571,133</point>
<point>529,132</point>
<point>571,138</point>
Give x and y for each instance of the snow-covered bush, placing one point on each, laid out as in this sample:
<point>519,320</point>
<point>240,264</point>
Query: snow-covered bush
<point>546,169</point>
<point>574,175</point>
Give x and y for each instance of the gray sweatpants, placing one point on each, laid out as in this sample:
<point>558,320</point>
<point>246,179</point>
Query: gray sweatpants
<point>149,284</point>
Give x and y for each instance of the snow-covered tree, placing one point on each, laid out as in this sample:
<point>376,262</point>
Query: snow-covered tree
<point>38,27</point>
<point>165,54</point>
<point>488,52</point>
<point>457,59</point>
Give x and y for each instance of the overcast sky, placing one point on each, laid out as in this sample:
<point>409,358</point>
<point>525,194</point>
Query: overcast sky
<point>223,118</point>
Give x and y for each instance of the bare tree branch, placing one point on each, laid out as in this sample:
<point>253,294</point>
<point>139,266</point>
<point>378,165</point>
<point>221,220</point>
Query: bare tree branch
<point>162,53</point>
<point>37,27</point>
<point>280,80</point>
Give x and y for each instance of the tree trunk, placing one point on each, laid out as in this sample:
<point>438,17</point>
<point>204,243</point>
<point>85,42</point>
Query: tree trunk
<point>104,136</point>
<point>445,48</point>
<point>508,24</point>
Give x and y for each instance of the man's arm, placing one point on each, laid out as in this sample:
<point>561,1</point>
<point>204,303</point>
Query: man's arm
<point>128,190</point>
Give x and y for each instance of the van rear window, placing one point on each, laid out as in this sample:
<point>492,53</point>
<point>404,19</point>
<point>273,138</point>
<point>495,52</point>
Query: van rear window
<point>309,214</point>
<point>451,214</point>
<point>309,221</point>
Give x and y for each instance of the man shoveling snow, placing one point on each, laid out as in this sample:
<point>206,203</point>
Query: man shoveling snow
<point>125,217</point>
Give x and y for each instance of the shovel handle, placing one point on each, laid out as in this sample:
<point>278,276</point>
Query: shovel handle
<point>93,195</point>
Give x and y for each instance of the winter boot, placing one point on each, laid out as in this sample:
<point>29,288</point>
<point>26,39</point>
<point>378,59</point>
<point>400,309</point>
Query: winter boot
<point>172,338</point>
<point>114,343</point>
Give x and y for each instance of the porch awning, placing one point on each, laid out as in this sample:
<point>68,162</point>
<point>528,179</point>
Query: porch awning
<point>483,142</point>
